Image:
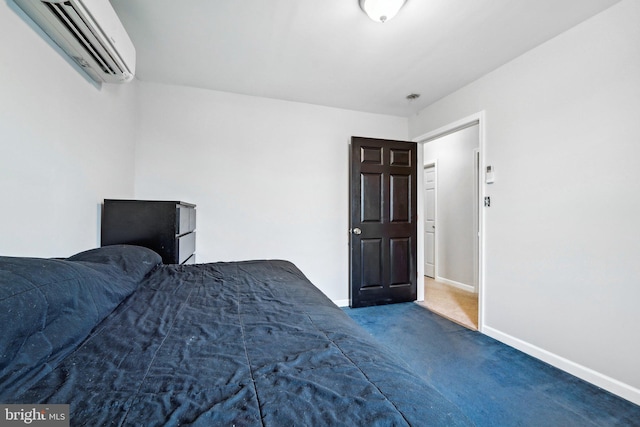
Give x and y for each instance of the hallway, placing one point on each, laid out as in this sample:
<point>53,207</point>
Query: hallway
<point>453,303</point>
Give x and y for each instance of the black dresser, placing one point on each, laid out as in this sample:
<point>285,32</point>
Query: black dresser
<point>167,227</point>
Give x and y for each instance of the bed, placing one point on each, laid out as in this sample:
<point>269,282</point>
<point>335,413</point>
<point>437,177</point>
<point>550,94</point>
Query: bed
<point>126,340</point>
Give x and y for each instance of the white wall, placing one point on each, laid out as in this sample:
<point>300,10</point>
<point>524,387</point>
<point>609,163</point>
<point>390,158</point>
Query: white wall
<point>562,236</point>
<point>456,200</point>
<point>65,144</point>
<point>270,178</point>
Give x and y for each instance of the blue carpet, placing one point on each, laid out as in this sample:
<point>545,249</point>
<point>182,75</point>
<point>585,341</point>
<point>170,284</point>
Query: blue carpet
<point>494,384</point>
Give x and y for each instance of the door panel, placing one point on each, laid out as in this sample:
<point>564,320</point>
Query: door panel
<point>371,253</point>
<point>371,155</point>
<point>400,198</point>
<point>400,267</point>
<point>383,222</point>
<point>400,157</point>
<point>371,205</point>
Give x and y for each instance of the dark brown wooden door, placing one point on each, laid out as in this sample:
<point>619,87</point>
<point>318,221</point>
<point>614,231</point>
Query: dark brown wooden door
<point>383,227</point>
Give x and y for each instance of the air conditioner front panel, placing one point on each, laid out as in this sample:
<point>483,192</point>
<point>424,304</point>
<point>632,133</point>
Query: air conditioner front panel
<point>80,32</point>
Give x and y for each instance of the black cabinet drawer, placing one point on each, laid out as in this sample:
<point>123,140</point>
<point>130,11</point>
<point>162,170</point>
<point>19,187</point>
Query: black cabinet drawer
<point>185,219</point>
<point>186,246</point>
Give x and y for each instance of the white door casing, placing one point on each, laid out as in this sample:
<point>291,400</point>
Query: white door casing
<point>479,119</point>
<point>476,218</point>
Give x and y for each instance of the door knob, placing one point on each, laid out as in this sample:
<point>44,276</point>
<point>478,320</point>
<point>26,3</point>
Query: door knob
<point>357,231</point>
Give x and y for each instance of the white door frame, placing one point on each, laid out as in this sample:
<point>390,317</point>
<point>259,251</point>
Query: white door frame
<point>477,118</point>
<point>477,201</point>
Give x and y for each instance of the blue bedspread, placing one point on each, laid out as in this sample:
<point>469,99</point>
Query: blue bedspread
<point>233,344</point>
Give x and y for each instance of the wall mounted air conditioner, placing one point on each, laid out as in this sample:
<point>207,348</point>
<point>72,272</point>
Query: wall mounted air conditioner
<point>90,32</point>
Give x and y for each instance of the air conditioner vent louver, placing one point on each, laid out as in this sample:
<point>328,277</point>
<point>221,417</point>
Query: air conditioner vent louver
<point>78,28</point>
<point>90,32</point>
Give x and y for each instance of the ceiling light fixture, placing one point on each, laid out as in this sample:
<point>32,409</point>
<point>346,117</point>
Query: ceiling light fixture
<point>381,10</point>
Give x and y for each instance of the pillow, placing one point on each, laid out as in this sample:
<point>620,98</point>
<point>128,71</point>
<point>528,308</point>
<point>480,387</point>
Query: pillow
<point>135,261</point>
<point>49,306</point>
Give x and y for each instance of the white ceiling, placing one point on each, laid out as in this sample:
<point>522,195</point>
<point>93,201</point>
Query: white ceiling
<point>328,52</point>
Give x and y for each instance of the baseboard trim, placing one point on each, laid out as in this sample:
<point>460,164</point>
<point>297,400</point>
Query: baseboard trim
<point>455,284</point>
<point>341,302</point>
<point>612,385</point>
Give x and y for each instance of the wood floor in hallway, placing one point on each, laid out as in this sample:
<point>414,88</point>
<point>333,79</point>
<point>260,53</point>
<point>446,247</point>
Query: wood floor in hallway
<point>453,303</point>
